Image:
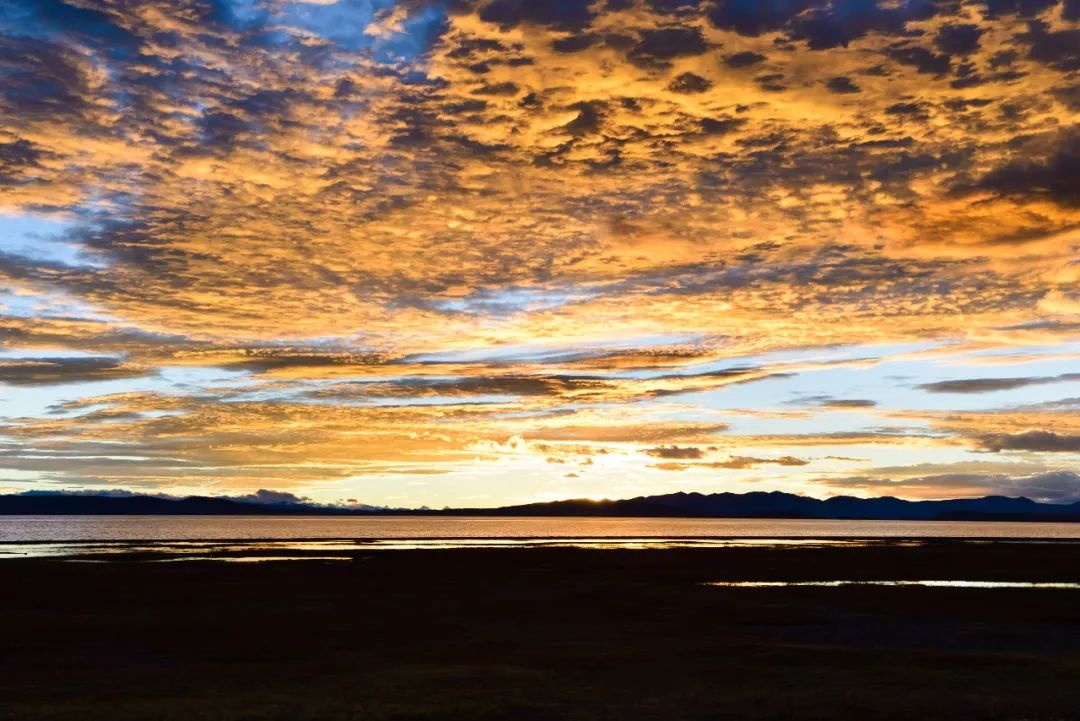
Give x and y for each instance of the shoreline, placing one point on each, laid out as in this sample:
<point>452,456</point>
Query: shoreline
<point>347,549</point>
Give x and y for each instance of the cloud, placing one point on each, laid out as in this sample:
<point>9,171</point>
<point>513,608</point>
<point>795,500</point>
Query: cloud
<point>338,242</point>
<point>627,432</point>
<point>732,463</point>
<point>554,13</point>
<point>842,85</point>
<point>1056,486</point>
<point>1047,487</point>
<point>1056,48</point>
<point>958,39</point>
<point>824,401</point>
<point>743,59</point>
<point>988,385</point>
<point>48,371</point>
<point>657,47</point>
<point>1052,176</point>
<point>841,23</point>
<point>269,497</point>
<point>689,83</point>
<point>750,462</point>
<point>757,18</point>
<point>675,452</point>
<point>849,403</point>
<point>1037,441</point>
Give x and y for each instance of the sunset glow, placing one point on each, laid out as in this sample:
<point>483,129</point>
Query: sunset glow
<point>445,252</point>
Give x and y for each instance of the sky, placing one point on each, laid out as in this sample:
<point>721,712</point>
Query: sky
<point>487,252</point>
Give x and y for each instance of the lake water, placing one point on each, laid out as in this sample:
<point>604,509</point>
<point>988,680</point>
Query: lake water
<point>37,529</point>
<point>323,538</point>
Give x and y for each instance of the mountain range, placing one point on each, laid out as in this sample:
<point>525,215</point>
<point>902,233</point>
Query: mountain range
<point>673,505</point>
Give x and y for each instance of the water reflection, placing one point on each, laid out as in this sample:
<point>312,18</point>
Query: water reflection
<point>249,559</point>
<point>303,550</point>
<point>927,584</point>
<point>41,529</point>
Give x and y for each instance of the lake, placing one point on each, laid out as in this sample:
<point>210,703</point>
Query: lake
<point>23,529</point>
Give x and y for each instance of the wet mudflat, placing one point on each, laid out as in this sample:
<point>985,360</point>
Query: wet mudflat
<point>548,633</point>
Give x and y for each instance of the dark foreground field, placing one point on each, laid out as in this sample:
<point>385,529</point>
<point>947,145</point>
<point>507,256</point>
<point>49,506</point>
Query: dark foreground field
<point>489,635</point>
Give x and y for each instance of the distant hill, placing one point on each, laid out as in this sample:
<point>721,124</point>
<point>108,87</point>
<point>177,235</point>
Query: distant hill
<point>672,505</point>
<point>787,505</point>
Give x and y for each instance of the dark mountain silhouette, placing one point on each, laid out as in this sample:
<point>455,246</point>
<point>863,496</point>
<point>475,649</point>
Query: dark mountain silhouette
<point>786,505</point>
<point>672,505</point>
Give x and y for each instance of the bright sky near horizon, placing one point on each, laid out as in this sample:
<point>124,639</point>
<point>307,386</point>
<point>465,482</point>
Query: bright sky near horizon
<point>481,252</point>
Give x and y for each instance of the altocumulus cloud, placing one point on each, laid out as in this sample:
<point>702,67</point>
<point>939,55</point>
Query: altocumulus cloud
<point>1046,441</point>
<point>324,242</point>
